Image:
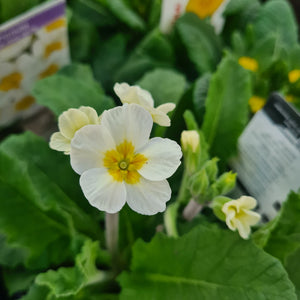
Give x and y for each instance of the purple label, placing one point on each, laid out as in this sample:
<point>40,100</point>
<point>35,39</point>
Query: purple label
<point>31,24</point>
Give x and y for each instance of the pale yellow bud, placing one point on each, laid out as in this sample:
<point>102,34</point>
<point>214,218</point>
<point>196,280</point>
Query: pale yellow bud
<point>190,138</point>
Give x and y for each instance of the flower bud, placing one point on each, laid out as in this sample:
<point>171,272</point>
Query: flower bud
<point>190,139</point>
<point>211,168</point>
<point>225,183</point>
<point>198,185</point>
<point>190,142</point>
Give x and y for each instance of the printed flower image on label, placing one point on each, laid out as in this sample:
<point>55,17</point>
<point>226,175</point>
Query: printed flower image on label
<point>37,51</point>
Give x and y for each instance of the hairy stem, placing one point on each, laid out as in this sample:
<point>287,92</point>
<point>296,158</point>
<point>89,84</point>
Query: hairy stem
<point>112,235</point>
<point>191,210</point>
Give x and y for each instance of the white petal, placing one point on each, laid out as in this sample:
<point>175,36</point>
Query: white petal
<point>88,146</point>
<point>247,202</point>
<point>90,113</point>
<point>166,107</point>
<point>133,94</point>
<point>243,229</point>
<point>102,191</point>
<point>160,118</point>
<point>230,218</point>
<point>130,122</point>
<point>70,121</point>
<point>148,197</point>
<point>163,158</point>
<point>250,217</point>
<point>60,143</point>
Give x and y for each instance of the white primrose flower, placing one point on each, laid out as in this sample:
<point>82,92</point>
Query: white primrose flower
<point>118,163</point>
<point>239,215</point>
<point>135,94</point>
<point>68,123</point>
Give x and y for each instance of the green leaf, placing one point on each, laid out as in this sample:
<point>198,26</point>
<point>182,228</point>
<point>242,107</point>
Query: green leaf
<point>18,280</point>
<point>164,85</point>
<point>277,16</point>
<point>201,42</point>
<point>9,9</point>
<point>60,92</point>
<point>194,266</point>
<point>108,59</point>
<point>200,95</point>
<point>226,108</point>
<point>154,51</point>
<point>281,237</point>
<point>83,36</point>
<point>68,282</point>
<point>93,12</point>
<point>124,13</point>
<point>292,266</point>
<point>40,233</point>
<point>41,224</point>
<point>33,150</point>
<point>236,6</point>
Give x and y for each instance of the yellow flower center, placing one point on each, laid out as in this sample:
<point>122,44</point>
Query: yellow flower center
<point>24,103</point>
<point>203,8</point>
<point>294,75</point>
<point>53,68</point>
<point>256,103</point>
<point>248,63</point>
<point>55,46</point>
<point>122,163</point>
<point>11,81</point>
<point>55,25</point>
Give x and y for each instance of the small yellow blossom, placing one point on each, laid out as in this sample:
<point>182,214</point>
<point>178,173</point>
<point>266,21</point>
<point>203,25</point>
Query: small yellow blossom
<point>190,138</point>
<point>68,123</point>
<point>248,63</point>
<point>239,215</point>
<point>294,75</point>
<point>290,98</point>
<point>256,103</point>
<point>203,8</point>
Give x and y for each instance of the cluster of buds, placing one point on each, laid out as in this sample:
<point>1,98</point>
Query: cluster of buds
<point>203,182</point>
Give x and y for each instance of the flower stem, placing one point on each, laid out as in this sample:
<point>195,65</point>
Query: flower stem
<point>183,192</point>
<point>112,235</point>
<point>191,210</point>
<point>170,218</point>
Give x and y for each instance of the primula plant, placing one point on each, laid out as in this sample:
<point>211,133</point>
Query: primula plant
<point>132,196</point>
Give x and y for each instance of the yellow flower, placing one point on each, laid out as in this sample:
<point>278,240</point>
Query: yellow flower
<point>294,75</point>
<point>68,123</point>
<point>190,138</point>
<point>248,63</point>
<point>203,8</point>
<point>119,164</point>
<point>256,103</point>
<point>239,215</point>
